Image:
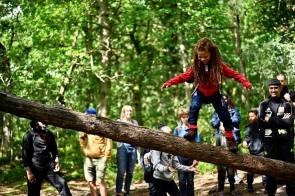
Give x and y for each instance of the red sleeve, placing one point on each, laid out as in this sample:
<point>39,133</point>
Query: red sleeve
<point>230,73</point>
<point>187,75</point>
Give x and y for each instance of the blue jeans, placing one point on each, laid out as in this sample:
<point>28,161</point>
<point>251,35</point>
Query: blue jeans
<point>126,158</point>
<point>198,99</point>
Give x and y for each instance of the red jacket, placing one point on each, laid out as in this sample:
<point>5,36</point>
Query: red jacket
<point>211,87</point>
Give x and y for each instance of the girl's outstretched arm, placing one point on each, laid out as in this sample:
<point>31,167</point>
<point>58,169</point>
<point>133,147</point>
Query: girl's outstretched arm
<point>186,76</point>
<point>230,73</point>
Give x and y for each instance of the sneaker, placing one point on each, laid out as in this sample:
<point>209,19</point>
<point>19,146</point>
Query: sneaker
<point>191,133</point>
<point>237,179</point>
<point>220,193</point>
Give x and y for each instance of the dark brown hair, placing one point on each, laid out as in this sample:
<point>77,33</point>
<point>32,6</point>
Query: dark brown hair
<point>214,65</point>
<point>253,110</point>
<point>230,102</point>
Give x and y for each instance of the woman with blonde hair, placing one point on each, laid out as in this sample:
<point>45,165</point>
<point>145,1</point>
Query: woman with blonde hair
<point>126,156</point>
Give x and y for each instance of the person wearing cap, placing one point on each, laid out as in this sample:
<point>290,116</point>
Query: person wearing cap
<point>186,178</point>
<point>275,115</point>
<point>96,150</point>
<point>40,159</point>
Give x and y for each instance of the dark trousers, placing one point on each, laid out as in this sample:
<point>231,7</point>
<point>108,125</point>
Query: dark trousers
<point>250,176</point>
<point>250,179</point>
<point>198,99</point>
<point>186,179</point>
<point>281,150</point>
<point>55,179</point>
<point>222,171</point>
<point>163,187</point>
<point>186,183</point>
<point>271,186</point>
<point>152,189</point>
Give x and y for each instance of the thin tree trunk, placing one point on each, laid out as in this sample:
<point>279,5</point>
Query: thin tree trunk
<point>137,80</point>
<point>67,78</point>
<point>6,85</point>
<point>1,133</point>
<point>245,95</point>
<point>105,50</point>
<point>143,137</point>
<point>184,63</point>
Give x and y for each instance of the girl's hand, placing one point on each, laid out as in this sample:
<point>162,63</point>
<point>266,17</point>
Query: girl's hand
<point>165,85</point>
<point>247,85</point>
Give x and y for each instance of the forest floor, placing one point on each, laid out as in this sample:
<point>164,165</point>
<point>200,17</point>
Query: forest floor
<point>204,185</point>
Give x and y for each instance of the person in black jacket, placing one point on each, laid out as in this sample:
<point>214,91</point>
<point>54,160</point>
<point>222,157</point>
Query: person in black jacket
<point>254,142</point>
<point>275,115</point>
<point>40,159</point>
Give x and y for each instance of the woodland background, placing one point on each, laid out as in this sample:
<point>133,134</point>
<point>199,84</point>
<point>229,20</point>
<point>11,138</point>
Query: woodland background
<point>107,54</point>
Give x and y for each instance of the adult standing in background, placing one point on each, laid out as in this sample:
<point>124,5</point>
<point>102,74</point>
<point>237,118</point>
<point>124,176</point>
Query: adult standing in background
<point>284,88</point>
<point>96,150</point>
<point>126,156</point>
<point>40,159</point>
<point>277,120</point>
<point>254,142</point>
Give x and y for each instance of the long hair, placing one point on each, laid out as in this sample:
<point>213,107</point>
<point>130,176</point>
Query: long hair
<point>124,109</point>
<point>214,65</point>
<point>230,102</point>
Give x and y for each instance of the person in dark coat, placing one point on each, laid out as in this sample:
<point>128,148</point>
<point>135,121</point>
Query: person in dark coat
<point>254,142</point>
<point>40,159</point>
<point>277,120</point>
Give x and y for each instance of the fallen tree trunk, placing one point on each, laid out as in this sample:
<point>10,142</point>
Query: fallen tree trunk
<point>141,136</point>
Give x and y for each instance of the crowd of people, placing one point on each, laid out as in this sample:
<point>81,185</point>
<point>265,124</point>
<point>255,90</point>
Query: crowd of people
<point>270,133</point>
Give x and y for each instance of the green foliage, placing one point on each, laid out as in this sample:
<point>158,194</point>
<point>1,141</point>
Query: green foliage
<point>44,39</point>
<point>206,167</point>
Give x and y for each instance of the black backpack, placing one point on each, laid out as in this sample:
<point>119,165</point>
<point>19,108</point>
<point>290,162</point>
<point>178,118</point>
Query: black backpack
<point>149,169</point>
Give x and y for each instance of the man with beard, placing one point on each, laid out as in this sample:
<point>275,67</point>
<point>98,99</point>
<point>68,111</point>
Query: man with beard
<point>40,158</point>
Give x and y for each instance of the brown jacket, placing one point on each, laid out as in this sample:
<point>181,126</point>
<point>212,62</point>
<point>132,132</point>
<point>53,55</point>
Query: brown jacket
<point>94,146</point>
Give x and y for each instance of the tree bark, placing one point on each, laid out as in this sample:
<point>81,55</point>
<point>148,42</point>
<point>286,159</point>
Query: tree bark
<point>143,137</point>
<point>105,50</point>
<point>245,95</point>
<point>6,85</point>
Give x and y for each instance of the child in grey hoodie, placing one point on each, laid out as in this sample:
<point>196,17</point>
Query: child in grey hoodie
<point>165,165</point>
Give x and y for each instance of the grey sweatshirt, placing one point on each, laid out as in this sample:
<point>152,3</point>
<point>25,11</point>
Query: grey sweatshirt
<point>161,170</point>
